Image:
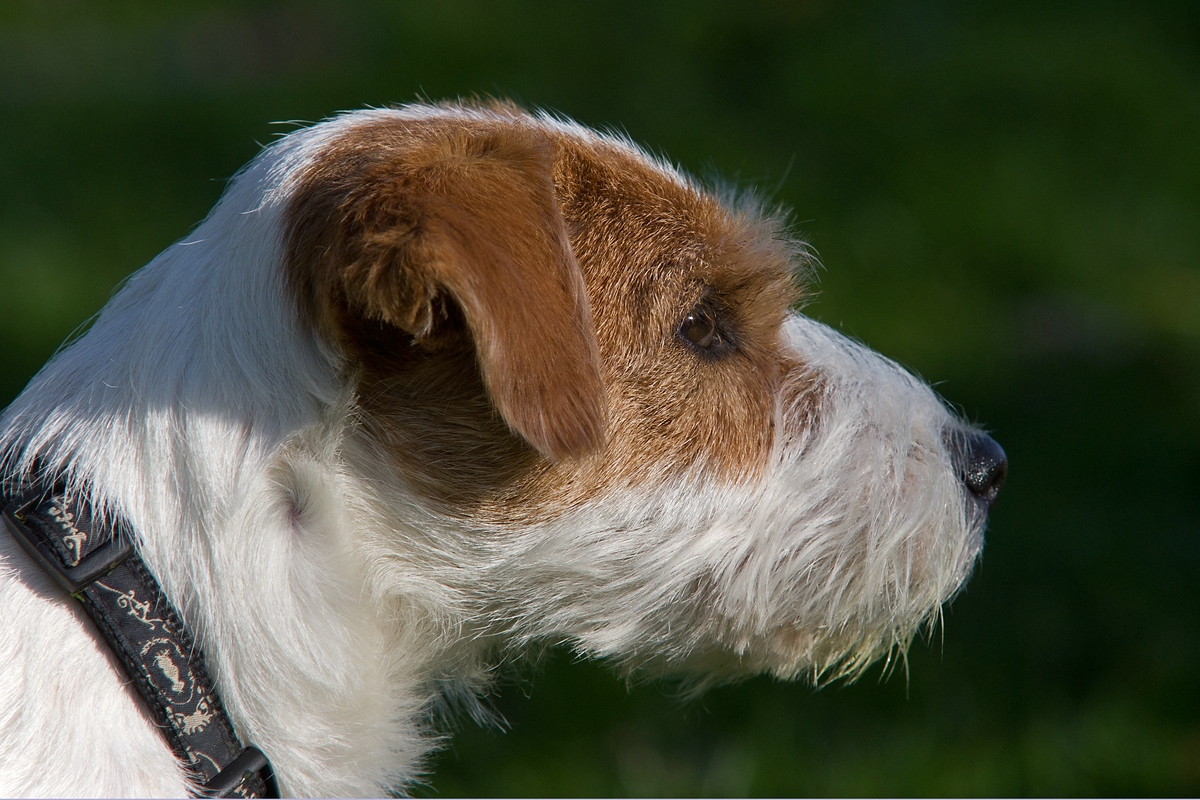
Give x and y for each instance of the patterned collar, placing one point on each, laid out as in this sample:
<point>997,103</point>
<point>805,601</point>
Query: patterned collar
<point>93,558</point>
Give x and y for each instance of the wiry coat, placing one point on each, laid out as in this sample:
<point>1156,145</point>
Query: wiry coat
<point>435,382</point>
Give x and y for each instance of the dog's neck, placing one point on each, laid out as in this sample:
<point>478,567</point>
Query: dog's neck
<point>255,543</point>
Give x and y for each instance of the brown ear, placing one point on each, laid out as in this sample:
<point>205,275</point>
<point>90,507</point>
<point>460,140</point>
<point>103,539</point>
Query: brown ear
<point>398,218</point>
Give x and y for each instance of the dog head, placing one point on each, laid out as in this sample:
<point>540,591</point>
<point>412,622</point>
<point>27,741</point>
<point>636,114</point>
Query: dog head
<point>580,388</point>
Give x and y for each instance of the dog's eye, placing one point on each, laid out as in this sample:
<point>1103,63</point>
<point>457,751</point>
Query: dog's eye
<point>700,329</point>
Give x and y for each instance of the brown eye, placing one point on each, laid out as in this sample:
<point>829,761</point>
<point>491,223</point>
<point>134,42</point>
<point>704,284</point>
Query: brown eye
<point>699,328</point>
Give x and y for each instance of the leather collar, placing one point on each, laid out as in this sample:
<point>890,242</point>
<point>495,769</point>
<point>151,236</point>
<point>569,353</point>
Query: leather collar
<point>95,561</point>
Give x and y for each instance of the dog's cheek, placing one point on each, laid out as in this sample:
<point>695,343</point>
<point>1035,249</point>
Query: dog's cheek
<point>675,417</point>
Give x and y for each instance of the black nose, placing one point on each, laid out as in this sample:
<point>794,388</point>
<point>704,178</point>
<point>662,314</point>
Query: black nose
<point>980,462</point>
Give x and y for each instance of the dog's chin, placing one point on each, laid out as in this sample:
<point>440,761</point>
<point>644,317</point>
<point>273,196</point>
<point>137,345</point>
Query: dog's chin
<point>778,600</point>
<point>801,650</point>
<point>820,652</point>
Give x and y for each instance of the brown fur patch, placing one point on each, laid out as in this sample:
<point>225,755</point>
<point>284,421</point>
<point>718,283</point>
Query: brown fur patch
<point>370,267</point>
<point>406,228</point>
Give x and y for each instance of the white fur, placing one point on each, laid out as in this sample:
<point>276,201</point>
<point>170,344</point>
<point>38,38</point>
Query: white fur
<point>335,608</point>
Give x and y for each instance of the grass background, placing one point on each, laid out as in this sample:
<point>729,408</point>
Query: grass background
<point>1006,197</point>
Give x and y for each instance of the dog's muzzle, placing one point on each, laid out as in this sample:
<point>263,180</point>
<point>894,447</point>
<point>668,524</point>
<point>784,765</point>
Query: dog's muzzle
<point>980,463</point>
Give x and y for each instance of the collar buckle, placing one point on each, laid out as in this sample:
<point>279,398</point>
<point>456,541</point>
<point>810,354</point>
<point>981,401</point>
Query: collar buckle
<point>248,765</point>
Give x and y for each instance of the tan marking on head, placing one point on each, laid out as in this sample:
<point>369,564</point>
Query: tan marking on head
<point>652,248</point>
<point>380,227</point>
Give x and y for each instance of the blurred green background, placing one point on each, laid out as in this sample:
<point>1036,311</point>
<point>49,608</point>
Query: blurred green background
<point>1006,197</point>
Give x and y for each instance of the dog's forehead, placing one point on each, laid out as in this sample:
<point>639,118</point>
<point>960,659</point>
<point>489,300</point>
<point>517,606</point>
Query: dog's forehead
<point>665,225</point>
<point>652,243</point>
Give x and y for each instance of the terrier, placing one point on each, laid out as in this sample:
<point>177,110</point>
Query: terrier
<point>431,384</point>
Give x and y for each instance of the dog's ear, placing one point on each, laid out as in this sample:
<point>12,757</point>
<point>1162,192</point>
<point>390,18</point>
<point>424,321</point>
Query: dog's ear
<point>409,227</point>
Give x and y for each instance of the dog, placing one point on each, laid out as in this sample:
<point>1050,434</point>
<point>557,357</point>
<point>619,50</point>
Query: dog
<point>432,385</point>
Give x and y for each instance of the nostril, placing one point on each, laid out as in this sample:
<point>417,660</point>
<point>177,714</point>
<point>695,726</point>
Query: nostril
<point>980,463</point>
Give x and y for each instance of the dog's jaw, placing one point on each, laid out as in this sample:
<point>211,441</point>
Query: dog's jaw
<point>837,553</point>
